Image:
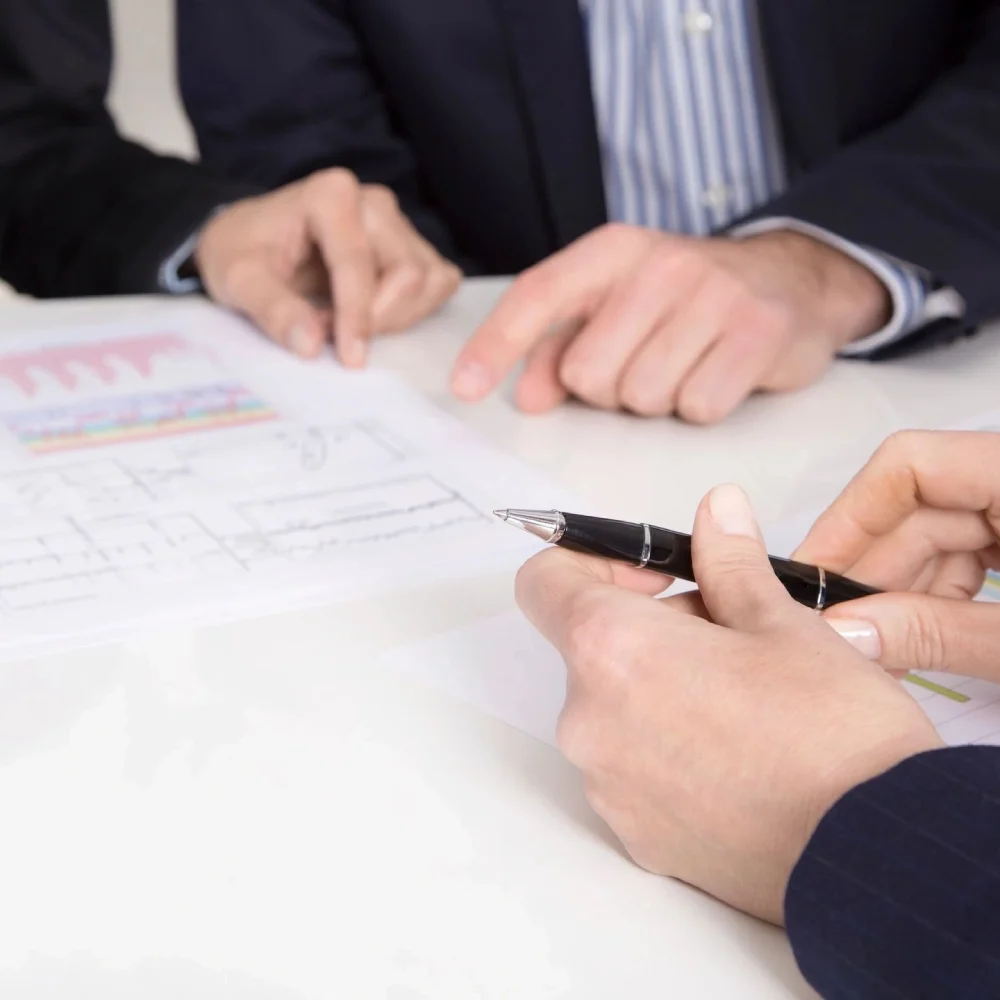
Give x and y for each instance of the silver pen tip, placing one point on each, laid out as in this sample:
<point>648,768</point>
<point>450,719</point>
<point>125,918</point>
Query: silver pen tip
<point>548,525</point>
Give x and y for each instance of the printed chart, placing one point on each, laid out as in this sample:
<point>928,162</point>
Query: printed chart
<point>154,477</point>
<point>66,364</point>
<point>116,365</point>
<point>137,418</point>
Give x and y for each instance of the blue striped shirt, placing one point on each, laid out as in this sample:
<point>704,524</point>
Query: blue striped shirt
<point>690,139</point>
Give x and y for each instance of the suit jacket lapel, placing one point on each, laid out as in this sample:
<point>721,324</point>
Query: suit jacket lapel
<point>797,43</point>
<point>551,61</point>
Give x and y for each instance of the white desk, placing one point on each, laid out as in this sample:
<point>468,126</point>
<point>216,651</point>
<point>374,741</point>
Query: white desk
<point>255,812</point>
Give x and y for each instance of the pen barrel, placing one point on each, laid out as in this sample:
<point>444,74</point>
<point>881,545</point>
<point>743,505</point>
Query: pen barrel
<point>800,580</point>
<point>839,590</point>
<point>817,588</point>
<point>669,552</point>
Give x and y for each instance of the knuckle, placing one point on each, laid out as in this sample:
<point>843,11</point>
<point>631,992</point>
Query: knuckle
<point>598,799</point>
<point>725,287</point>
<point>895,462</point>
<point>925,644</point>
<point>618,805</point>
<point>411,278</point>
<point>277,318</point>
<point>672,260</point>
<point>617,233</point>
<point>443,280</point>
<point>597,640</point>
<point>897,447</point>
<point>337,182</point>
<point>536,283</point>
<point>695,406</point>
<point>451,277</point>
<point>586,382</point>
<point>736,558</point>
<point>644,401</point>
<point>755,320</point>
<point>381,196</point>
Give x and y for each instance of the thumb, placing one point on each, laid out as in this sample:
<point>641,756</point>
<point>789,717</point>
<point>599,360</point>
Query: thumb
<point>737,583</point>
<point>917,632</point>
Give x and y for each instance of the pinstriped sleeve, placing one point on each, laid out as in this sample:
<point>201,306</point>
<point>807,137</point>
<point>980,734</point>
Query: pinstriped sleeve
<point>898,892</point>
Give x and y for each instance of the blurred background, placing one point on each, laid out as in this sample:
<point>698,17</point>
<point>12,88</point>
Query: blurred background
<point>144,94</point>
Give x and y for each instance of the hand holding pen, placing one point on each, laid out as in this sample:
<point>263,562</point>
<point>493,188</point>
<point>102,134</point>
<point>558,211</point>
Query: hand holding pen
<point>669,552</point>
<point>714,730</point>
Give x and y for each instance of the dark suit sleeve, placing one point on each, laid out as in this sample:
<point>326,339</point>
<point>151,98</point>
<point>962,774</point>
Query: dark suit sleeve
<point>82,212</point>
<point>316,106</point>
<point>925,188</point>
<point>898,892</point>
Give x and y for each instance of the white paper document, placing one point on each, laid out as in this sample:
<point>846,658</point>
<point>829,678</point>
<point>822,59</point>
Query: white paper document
<point>151,474</point>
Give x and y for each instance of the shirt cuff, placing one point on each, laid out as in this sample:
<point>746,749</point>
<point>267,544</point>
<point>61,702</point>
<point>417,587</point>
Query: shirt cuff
<point>916,302</point>
<point>170,277</point>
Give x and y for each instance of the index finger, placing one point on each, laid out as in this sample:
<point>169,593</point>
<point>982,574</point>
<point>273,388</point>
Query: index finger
<point>567,286</point>
<point>946,470</point>
<point>336,221</point>
<point>550,585</point>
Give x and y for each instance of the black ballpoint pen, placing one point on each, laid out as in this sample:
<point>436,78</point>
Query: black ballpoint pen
<point>669,552</point>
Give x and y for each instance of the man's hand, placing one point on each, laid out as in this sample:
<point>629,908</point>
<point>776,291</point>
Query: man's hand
<point>279,257</point>
<point>629,318</point>
<point>922,517</point>
<point>714,738</point>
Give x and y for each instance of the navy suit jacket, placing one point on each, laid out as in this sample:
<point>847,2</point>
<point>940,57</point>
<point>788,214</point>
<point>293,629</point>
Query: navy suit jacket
<point>898,893</point>
<point>479,114</point>
<point>82,211</point>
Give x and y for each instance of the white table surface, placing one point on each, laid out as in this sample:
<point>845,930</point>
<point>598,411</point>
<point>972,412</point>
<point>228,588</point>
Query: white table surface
<point>258,811</point>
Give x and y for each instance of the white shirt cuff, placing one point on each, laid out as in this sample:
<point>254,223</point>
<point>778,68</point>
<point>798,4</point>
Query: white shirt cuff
<point>915,304</point>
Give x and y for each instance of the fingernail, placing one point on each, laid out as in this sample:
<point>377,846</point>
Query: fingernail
<point>472,381</point>
<point>863,636</point>
<point>302,342</point>
<point>731,511</point>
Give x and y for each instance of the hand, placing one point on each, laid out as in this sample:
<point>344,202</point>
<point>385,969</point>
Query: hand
<point>629,318</point>
<point>924,517</point>
<point>324,238</point>
<point>713,748</point>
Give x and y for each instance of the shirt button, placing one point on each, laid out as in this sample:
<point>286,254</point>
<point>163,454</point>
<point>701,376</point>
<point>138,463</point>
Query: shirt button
<point>717,197</point>
<point>698,22</point>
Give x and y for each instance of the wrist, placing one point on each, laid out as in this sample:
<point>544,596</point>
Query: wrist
<point>844,297</point>
<point>203,252</point>
<point>832,783</point>
<point>211,246</point>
